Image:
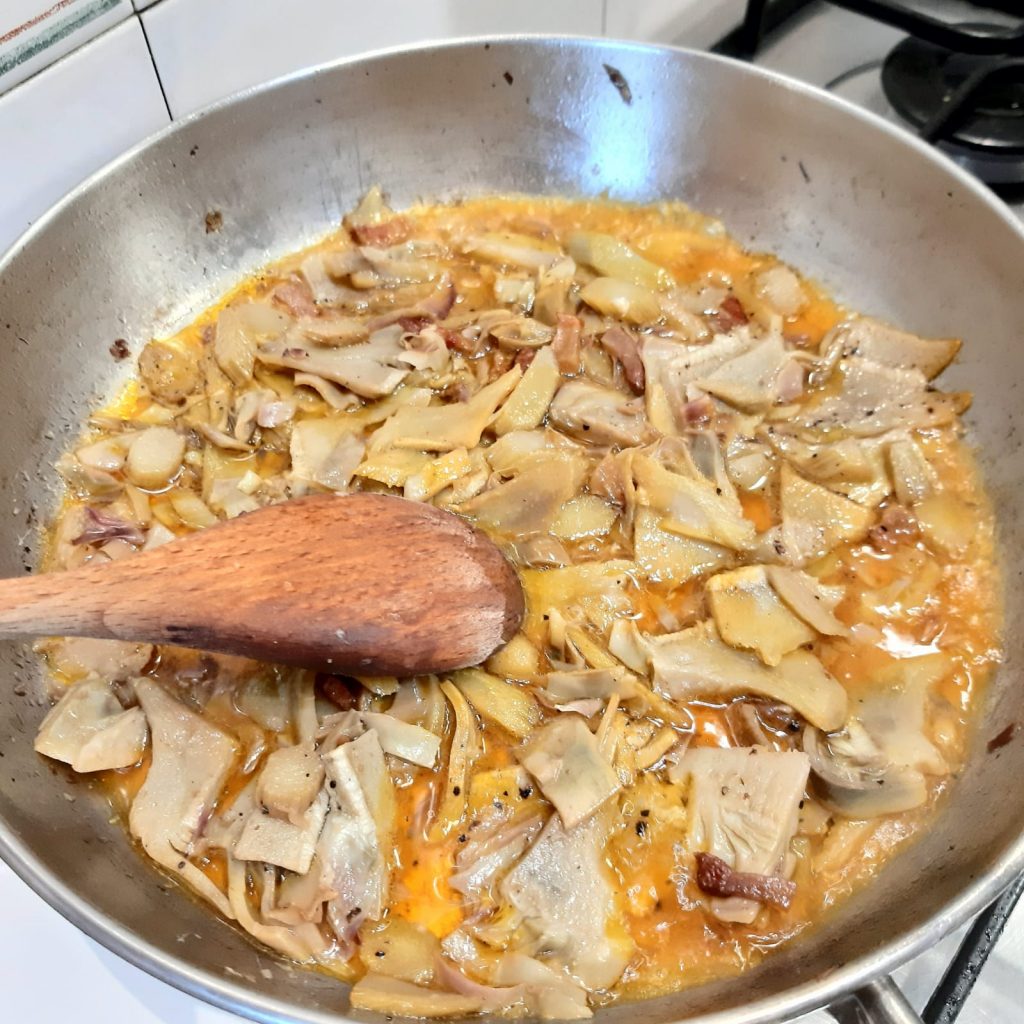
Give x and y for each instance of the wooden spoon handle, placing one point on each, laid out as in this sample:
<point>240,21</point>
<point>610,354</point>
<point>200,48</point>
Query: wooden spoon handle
<point>361,585</point>
<point>70,603</point>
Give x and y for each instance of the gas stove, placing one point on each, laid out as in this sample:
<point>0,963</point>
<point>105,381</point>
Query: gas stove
<point>951,72</point>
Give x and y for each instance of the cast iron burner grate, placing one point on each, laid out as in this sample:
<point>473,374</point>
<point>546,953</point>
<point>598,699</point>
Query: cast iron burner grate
<point>957,80</point>
<point>970,105</point>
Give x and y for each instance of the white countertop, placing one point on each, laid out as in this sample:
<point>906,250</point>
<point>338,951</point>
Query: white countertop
<point>64,121</point>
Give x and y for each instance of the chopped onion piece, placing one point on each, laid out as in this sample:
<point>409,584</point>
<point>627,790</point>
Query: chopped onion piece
<point>154,457</point>
<point>622,300</point>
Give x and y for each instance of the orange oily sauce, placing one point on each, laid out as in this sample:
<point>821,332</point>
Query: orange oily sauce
<point>919,600</point>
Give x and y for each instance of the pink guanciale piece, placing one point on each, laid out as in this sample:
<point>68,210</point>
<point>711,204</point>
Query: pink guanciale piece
<point>716,878</point>
<point>566,343</point>
<point>296,297</point>
<point>99,527</point>
<point>623,346</point>
<point>390,232</point>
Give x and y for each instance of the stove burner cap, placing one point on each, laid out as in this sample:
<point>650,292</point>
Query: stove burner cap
<point>984,96</point>
<point>920,79</point>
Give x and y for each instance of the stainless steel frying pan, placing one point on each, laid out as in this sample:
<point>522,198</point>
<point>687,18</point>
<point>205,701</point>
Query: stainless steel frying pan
<point>888,225</point>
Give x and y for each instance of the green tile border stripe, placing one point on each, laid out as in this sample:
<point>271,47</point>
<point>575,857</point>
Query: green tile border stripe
<point>59,31</point>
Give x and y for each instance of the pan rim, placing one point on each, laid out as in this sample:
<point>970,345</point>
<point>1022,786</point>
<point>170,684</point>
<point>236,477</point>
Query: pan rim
<point>234,997</point>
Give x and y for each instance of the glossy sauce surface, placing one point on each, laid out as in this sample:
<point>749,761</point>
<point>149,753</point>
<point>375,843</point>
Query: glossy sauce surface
<point>910,599</point>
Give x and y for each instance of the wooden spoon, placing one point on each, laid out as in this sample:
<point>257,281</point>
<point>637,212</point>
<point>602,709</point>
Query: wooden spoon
<point>363,584</point>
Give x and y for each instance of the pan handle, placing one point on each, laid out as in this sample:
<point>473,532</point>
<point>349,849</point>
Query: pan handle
<point>880,1002</point>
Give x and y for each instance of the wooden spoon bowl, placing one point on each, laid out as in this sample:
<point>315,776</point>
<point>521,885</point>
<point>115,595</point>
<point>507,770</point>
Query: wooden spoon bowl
<point>361,584</point>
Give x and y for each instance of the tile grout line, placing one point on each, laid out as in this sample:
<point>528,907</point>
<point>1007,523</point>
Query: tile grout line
<point>6,90</point>
<point>156,70</point>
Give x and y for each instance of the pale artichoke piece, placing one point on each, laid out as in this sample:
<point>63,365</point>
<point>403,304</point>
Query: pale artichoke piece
<point>301,941</point>
<point>282,843</point>
<point>855,779</point>
<point>393,467</point>
<point>749,465</point>
<point>780,288</point>
<point>372,210</point>
<point>399,949</point>
<point>518,659</point>
<point>521,332</point>
<point>155,457</point>
<point>874,399</point>
<point>393,267</point>
<point>627,643</point>
<point>407,396</point>
<point>526,407</point>
<point>600,415</point>
<point>855,467</point>
<point>325,454</point>
<point>585,516</point>
<point>396,736</point>
<point>372,369</point>
<point>809,599</point>
<point>239,331</point>
<point>466,487</point>
<point>692,506</point>
<point>564,759</point>
<point>695,664</point>
<point>750,379</point>
<point>498,701</point>
<point>437,475</point>
<point>894,711</point>
<point>549,994</point>
<point>749,614</point>
<point>579,684</point>
<point>336,331</point>
<point>514,290</point>
<point>463,751</point>
<point>816,519</point>
<point>658,355</point>
<point>380,993</point>
<point>512,451</point>
<point>598,591</point>
<point>89,730</point>
<point>744,805</point>
<point>623,300</point>
<point>947,522</point>
<point>510,249</point>
<point>170,371</point>
<point>912,475</point>
<point>872,339</point>
<point>553,302</point>
<point>358,830</point>
<point>589,649</point>
<point>529,502</point>
<point>192,759</point>
<point>445,427</point>
<point>667,557</point>
<point>613,258</point>
<point>561,889</point>
<point>80,656</point>
<point>290,780</point>
<point>681,364</point>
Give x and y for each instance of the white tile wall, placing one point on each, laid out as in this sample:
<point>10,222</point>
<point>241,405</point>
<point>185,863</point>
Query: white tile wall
<point>695,23</point>
<point>61,125</point>
<point>208,50</point>
<point>69,119</point>
<point>35,33</point>
<point>95,986</point>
